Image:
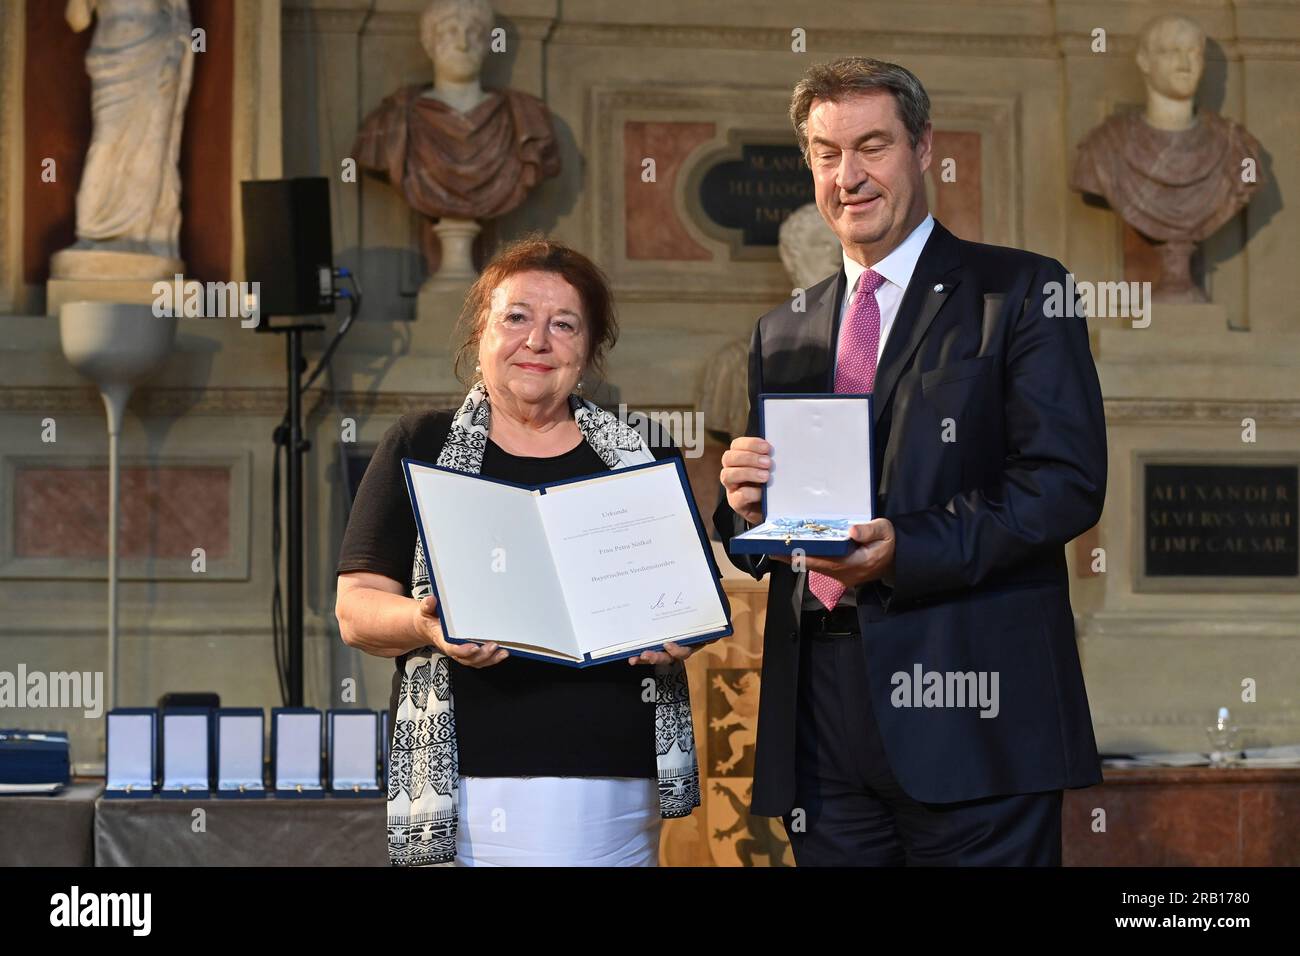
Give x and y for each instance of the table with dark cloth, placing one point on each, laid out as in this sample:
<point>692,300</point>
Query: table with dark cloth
<point>50,829</point>
<point>269,832</point>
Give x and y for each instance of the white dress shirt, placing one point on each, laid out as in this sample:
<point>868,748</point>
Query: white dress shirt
<point>897,268</point>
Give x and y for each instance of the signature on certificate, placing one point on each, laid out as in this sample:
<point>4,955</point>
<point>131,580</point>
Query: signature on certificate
<point>664,597</point>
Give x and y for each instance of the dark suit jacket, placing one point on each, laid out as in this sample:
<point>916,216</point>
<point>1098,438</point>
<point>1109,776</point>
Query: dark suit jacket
<point>979,581</point>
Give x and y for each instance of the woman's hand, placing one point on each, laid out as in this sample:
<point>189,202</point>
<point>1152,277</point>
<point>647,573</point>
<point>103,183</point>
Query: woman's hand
<point>670,653</point>
<point>471,655</point>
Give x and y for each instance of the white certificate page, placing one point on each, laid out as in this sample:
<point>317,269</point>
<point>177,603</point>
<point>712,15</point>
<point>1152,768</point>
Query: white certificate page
<point>821,458</point>
<point>630,561</point>
<point>490,562</point>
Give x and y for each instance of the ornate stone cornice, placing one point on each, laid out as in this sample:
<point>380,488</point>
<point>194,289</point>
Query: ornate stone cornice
<point>391,22</point>
<point>1263,48</point>
<point>1174,718</point>
<point>713,36</point>
<point>312,20</point>
<point>253,402</point>
<point>1233,49</point>
<point>169,402</point>
<point>720,36</point>
<point>1131,410</point>
<point>1273,622</point>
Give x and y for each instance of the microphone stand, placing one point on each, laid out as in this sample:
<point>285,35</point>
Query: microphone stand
<point>288,435</point>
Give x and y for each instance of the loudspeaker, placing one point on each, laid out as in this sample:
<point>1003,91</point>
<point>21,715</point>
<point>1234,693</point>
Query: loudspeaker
<point>181,698</point>
<point>287,246</point>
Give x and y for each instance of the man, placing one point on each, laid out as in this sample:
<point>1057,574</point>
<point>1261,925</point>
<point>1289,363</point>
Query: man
<point>922,700</point>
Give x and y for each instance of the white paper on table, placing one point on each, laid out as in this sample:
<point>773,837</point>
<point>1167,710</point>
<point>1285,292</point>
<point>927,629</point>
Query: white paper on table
<point>21,788</point>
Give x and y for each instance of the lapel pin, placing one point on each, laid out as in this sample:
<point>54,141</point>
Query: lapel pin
<point>938,287</point>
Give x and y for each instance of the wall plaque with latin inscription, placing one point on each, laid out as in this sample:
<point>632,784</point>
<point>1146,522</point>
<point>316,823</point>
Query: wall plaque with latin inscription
<point>743,194</point>
<point>1235,521</point>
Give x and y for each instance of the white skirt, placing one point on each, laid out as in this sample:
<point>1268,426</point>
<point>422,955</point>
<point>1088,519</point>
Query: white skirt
<point>558,821</point>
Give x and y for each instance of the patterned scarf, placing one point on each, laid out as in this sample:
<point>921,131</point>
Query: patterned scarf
<point>422,770</point>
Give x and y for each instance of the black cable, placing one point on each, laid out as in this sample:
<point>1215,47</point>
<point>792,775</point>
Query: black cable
<point>354,301</point>
<point>278,630</point>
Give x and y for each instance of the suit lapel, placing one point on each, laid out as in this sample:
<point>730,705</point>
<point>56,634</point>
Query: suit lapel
<point>938,265</point>
<point>824,323</point>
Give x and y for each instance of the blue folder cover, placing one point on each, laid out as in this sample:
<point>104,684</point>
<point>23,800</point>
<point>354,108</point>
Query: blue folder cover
<point>34,757</point>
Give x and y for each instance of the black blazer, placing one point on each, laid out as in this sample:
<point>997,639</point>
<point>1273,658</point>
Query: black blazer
<point>979,580</point>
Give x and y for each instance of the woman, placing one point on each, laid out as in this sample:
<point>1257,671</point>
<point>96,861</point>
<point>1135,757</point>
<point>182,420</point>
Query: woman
<point>499,760</point>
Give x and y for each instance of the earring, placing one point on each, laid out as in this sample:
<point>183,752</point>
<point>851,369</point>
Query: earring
<point>579,386</point>
<point>478,368</point>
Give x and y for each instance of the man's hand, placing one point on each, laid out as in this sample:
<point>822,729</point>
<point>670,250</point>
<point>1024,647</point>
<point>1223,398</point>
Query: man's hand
<point>871,560</point>
<point>471,655</point>
<point>745,470</point>
<point>671,652</point>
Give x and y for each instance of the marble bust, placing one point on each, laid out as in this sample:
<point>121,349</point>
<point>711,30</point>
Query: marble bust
<point>809,250</point>
<point>456,151</point>
<point>1173,173</point>
<point>141,66</point>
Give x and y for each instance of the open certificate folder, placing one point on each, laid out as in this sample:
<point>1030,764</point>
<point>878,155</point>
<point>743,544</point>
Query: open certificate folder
<point>577,572</point>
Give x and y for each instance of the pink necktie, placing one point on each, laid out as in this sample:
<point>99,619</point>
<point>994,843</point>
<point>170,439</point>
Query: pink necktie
<point>855,372</point>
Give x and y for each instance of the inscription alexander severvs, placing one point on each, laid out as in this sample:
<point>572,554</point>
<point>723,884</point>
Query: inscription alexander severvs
<point>1220,520</point>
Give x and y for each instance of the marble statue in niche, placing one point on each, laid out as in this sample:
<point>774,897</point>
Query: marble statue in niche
<point>141,66</point>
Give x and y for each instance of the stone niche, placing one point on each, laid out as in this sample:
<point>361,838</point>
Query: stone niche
<point>1198,605</point>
